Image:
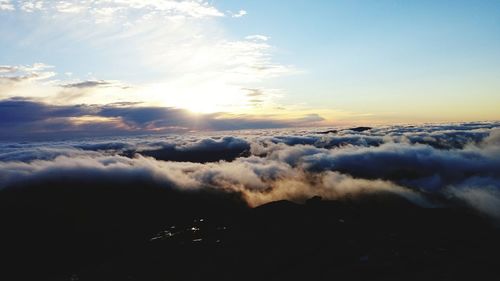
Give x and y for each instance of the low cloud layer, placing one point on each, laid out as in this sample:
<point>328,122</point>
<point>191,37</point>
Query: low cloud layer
<point>434,165</point>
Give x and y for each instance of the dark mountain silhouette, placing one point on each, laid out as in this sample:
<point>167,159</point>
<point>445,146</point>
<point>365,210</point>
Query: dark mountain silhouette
<point>328,132</point>
<point>355,129</point>
<point>68,231</point>
<point>359,129</point>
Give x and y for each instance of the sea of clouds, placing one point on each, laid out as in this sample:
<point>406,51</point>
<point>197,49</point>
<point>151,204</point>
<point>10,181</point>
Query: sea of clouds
<point>434,165</point>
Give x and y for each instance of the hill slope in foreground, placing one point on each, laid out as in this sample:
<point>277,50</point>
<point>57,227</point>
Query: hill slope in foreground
<point>103,233</point>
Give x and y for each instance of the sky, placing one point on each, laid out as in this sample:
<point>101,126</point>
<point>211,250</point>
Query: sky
<point>123,66</point>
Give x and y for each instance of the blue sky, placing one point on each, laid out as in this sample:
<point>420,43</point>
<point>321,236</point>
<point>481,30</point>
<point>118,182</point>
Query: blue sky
<point>357,51</point>
<point>339,62</point>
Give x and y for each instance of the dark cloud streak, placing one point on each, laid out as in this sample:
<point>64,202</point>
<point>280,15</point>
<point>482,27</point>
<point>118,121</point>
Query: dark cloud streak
<point>28,119</point>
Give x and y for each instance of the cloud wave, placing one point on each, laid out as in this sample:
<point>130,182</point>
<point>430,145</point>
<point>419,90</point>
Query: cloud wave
<point>269,165</point>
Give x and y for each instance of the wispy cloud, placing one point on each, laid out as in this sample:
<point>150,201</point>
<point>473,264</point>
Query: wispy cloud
<point>257,37</point>
<point>188,8</point>
<point>20,73</point>
<point>6,5</point>
<point>189,58</point>
<point>239,14</point>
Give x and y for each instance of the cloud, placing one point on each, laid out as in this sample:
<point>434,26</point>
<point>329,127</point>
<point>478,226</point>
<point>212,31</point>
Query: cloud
<point>80,90</point>
<point>202,151</point>
<point>258,97</point>
<point>30,6</point>
<point>6,5</point>
<point>491,140</point>
<point>417,166</point>
<point>20,111</point>
<point>257,37</point>
<point>22,118</point>
<point>32,153</point>
<point>103,33</point>
<point>27,119</point>
<point>88,84</point>
<point>6,69</point>
<point>254,92</point>
<point>264,166</point>
<point>258,180</point>
<point>447,138</point>
<point>188,8</point>
<point>239,14</point>
<point>484,198</point>
<point>21,73</point>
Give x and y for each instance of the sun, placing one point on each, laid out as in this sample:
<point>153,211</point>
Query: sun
<point>198,104</point>
<point>199,98</point>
